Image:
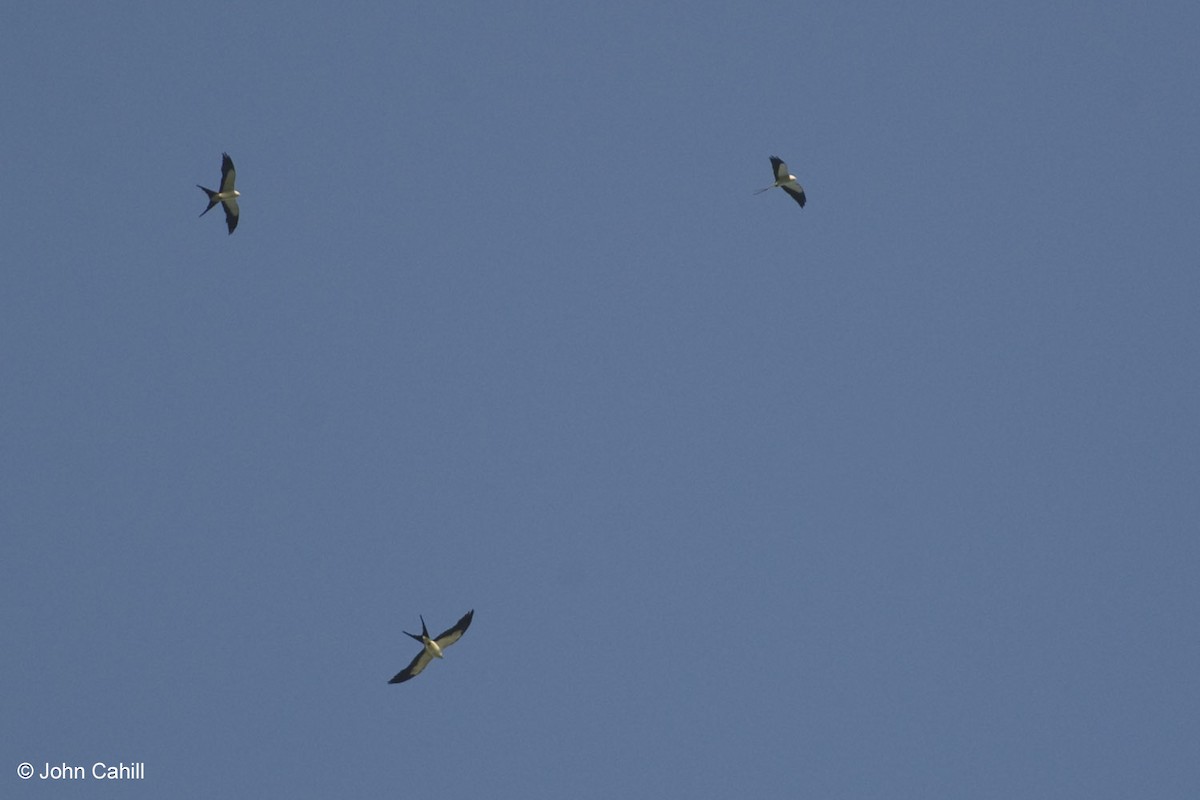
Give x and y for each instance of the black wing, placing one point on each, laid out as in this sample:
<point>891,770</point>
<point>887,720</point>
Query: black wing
<point>414,669</point>
<point>228,173</point>
<point>797,193</point>
<point>780,168</point>
<point>231,212</point>
<point>449,637</point>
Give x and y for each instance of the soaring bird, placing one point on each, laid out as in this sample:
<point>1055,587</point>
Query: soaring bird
<point>786,181</point>
<point>228,195</point>
<point>432,648</point>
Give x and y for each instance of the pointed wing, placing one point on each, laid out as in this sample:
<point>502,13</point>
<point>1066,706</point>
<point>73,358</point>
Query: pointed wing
<point>231,212</point>
<point>796,191</point>
<point>228,173</point>
<point>414,669</point>
<point>781,170</point>
<point>447,638</point>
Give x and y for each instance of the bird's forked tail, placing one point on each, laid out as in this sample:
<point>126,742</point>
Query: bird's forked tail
<point>212,201</point>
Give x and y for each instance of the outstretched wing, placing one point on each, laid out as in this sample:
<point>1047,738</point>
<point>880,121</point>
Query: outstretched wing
<point>449,637</point>
<point>796,191</point>
<point>780,168</point>
<point>231,212</point>
<point>414,669</point>
<point>228,173</point>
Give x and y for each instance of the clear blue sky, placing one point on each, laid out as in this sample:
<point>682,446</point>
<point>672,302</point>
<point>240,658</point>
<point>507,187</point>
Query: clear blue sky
<point>893,496</point>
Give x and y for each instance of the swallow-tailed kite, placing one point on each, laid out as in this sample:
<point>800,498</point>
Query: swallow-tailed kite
<point>228,195</point>
<point>786,181</point>
<point>432,648</point>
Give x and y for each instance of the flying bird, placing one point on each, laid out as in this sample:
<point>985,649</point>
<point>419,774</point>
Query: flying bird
<point>786,181</point>
<point>432,648</point>
<point>228,195</point>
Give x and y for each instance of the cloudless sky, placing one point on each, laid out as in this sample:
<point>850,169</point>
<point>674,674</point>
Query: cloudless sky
<point>893,496</point>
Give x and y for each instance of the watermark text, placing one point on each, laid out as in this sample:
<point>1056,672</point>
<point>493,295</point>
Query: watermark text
<point>97,771</point>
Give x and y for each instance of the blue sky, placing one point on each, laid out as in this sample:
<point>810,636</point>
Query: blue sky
<point>895,495</point>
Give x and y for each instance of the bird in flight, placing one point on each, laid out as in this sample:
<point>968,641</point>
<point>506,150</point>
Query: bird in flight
<point>786,181</point>
<point>431,647</point>
<point>228,195</point>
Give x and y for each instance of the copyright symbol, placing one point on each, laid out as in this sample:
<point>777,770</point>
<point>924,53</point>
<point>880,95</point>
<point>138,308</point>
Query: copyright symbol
<point>25,770</point>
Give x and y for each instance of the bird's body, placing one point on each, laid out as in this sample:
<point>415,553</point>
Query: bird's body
<point>786,181</point>
<point>431,647</point>
<point>228,195</point>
